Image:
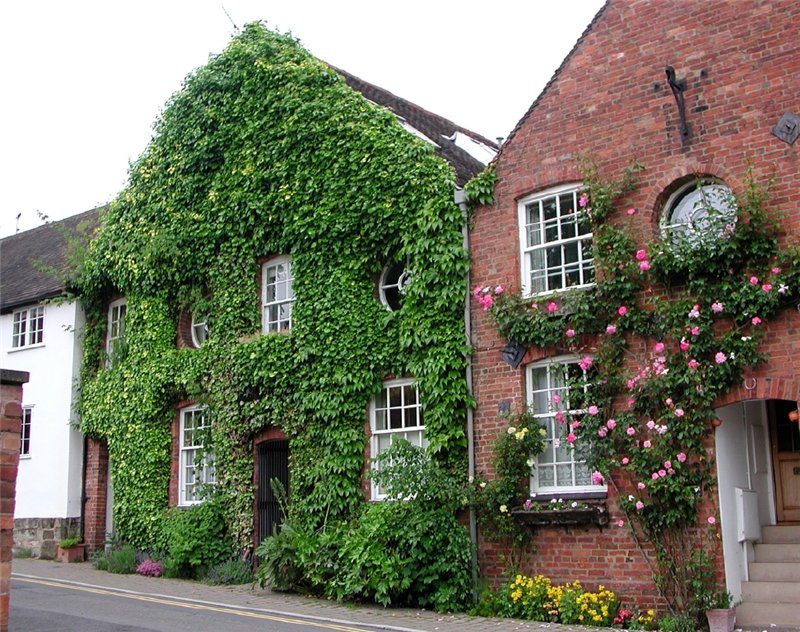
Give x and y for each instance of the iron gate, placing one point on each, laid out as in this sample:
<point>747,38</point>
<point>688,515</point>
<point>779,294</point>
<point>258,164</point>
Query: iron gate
<point>273,463</point>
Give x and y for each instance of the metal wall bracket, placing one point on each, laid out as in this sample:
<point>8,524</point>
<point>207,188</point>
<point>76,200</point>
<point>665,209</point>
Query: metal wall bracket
<point>678,87</point>
<point>513,353</point>
<point>788,128</point>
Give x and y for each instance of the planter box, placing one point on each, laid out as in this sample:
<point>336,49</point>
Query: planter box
<point>75,553</point>
<point>595,515</point>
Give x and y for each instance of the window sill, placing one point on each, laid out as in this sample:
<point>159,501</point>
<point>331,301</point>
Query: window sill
<point>594,514</point>
<point>24,457</point>
<point>26,347</point>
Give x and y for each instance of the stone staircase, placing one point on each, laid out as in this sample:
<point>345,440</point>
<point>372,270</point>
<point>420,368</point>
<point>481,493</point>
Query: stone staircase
<point>771,599</point>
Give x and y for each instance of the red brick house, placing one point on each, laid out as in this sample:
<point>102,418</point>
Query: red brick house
<point>731,103</point>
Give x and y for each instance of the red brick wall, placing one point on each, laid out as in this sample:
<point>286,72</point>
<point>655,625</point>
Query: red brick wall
<point>95,489</point>
<point>611,100</point>
<point>10,423</point>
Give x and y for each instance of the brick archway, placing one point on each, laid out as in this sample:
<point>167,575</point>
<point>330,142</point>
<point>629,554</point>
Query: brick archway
<point>762,387</point>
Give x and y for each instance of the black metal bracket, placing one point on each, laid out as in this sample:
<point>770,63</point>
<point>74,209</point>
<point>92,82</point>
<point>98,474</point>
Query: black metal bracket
<point>513,353</point>
<point>678,87</point>
<point>788,128</point>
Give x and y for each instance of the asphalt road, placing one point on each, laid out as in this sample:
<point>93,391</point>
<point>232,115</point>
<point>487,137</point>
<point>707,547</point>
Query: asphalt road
<point>39,605</point>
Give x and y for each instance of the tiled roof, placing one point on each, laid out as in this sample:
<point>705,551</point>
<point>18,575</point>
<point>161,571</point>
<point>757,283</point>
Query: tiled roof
<point>433,126</point>
<point>30,260</point>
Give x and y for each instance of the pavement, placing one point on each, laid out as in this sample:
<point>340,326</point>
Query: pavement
<point>247,596</point>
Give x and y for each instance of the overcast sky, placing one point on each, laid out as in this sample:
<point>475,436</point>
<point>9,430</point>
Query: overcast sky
<point>84,80</point>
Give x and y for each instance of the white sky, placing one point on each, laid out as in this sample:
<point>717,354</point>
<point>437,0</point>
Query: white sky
<point>84,80</point>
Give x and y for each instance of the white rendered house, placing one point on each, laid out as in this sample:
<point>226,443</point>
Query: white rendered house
<point>41,334</point>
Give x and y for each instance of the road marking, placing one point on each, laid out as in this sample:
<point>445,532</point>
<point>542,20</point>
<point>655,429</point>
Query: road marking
<point>193,606</point>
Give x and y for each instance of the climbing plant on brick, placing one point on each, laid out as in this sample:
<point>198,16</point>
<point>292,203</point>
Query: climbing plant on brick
<point>265,151</point>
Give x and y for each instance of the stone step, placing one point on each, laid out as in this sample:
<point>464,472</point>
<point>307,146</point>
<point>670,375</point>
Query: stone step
<point>781,534</point>
<point>768,615</point>
<point>777,553</point>
<point>771,592</point>
<point>774,572</point>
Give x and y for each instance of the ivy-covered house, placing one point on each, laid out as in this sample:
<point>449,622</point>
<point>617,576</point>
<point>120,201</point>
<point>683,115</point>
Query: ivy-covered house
<point>637,288</point>
<point>278,293</point>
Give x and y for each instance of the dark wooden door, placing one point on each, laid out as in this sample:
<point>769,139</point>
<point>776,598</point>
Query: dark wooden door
<point>786,460</point>
<point>273,463</point>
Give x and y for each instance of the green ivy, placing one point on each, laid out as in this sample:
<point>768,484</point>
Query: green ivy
<point>266,151</point>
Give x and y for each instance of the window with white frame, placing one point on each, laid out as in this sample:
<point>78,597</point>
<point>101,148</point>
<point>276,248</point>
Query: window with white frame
<point>277,295</point>
<point>27,327</point>
<point>199,328</point>
<point>25,431</point>
<point>559,468</point>
<point>115,337</point>
<point>555,242</point>
<point>395,413</point>
<point>392,285</point>
<point>196,461</point>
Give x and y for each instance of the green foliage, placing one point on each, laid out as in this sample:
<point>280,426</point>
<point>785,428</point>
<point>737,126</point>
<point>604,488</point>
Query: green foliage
<point>230,572</point>
<point>23,553</point>
<point>480,190</point>
<point>68,543</point>
<point>670,328</point>
<point>677,623</point>
<point>121,561</point>
<point>196,539</point>
<point>266,151</point>
<point>404,552</point>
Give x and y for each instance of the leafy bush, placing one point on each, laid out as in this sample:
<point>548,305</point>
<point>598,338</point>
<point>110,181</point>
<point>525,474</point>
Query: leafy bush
<point>411,551</point>
<point>121,561</point>
<point>150,568</point>
<point>233,571</point>
<point>68,543</point>
<point>677,623</point>
<point>197,539</point>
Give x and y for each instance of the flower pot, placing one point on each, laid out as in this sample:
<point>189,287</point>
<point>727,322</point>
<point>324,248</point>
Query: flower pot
<point>75,553</point>
<point>721,619</point>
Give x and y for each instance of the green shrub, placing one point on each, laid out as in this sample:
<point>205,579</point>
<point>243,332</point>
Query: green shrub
<point>196,540</point>
<point>99,560</point>
<point>121,561</point>
<point>677,623</point>
<point>233,571</point>
<point>68,543</point>
<point>410,552</point>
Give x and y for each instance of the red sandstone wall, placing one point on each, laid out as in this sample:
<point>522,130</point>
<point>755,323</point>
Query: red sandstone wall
<point>611,100</point>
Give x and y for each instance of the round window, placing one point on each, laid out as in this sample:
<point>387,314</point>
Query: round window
<point>392,285</point>
<point>698,213</point>
<point>199,328</point>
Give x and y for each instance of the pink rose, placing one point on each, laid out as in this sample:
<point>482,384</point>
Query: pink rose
<point>647,443</point>
<point>556,398</point>
<point>684,344</point>
<point>766,287</point>
<point>654,476</point>
<point>641,255</point>
<point>602,432</point>
<point>679,412</point>
<point>625,460</point>
<point>682,457</point>
<point>659,348</point>
<point>720,357</point>
<point>593,410</point>
<point>631,211</point>
<point>651,424</point>
<point>571,438</point>
<point>662,473</point>
<point>695,331</point>
<point>499,289</point>
<point>639,505</point>
<point>711,520</point>
<point>717,307</point>
<point>583,200</point>
<point>622,310</point>
<point>756,320</point>
<point>620,523</point>
<point>692,364</point>
<point>776,270</point>
<point>668,464</point>
<point>644,266</point>
<point>551,307</point>
<point>641,485</point>
<point>569,333</point>
<point>597,478</point>
<point>754,280</point>
<point>611,329</point>
<point>630,431</point>
<point>611,423</point>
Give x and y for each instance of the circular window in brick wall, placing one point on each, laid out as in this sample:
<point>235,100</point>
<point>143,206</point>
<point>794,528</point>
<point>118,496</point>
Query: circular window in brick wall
<point>392,285</point>
<point>699,213</point>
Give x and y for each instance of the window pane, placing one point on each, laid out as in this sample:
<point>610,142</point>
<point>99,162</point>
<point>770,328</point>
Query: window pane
<point>395,418</point>
<point>380,419</point>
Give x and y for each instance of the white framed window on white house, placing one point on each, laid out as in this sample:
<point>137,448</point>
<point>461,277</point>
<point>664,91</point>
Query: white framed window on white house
<point>27,327</point>
<point>559,468</point>
<point>395,413</point>
<point>25,431</point>
<point>277,295</point>
<point>196,466</point>
<point>115,337</point>
<point>555,239</point>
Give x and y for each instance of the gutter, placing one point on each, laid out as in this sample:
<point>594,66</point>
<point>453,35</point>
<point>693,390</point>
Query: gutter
<point>460,198</point>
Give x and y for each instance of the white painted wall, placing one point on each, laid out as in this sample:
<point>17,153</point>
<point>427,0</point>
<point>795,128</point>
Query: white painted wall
<point>49,479</point>
<point>743,461</point>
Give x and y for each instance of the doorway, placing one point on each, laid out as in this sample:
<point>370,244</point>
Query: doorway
<point>785,442</point>
<point>273,463</point>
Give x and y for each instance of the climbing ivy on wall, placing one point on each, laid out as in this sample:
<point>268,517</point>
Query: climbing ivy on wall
<point>265,151</point>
